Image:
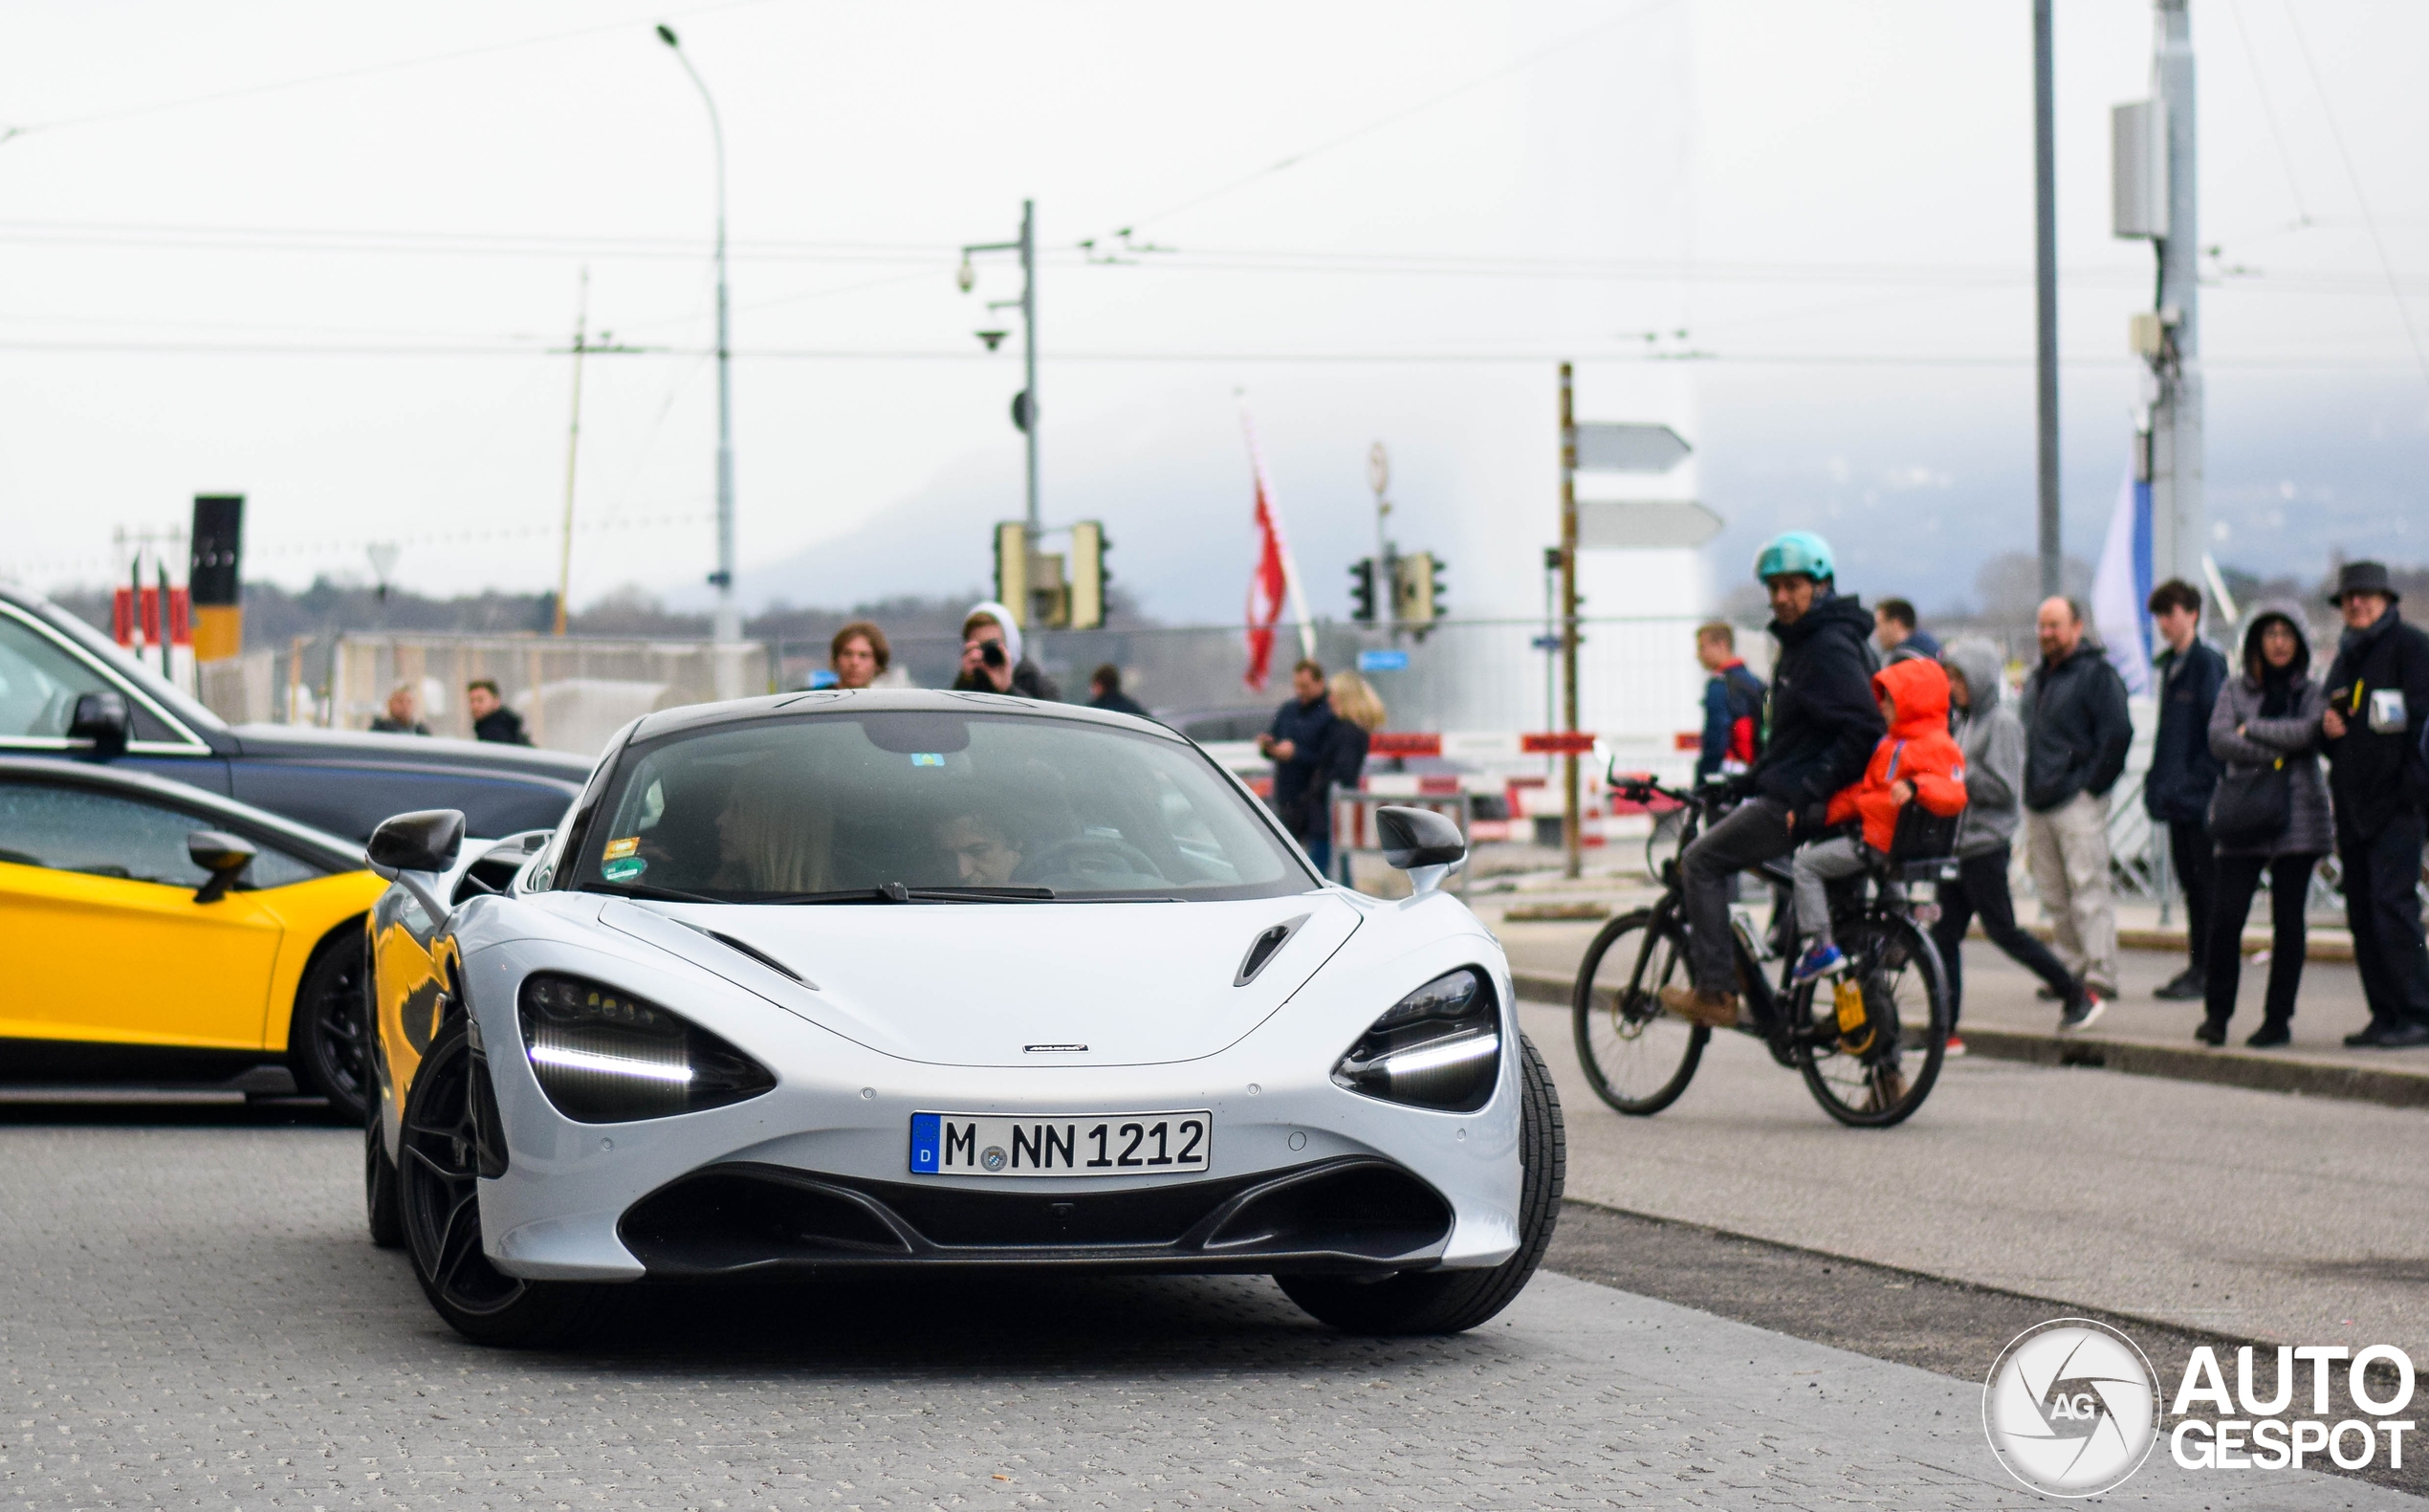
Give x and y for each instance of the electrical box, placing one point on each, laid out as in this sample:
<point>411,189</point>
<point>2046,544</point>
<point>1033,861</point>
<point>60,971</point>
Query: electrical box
<point>1011,570</point>
<point>2138,169</point>
<point>2146,334</point>
<point>1412,588</point>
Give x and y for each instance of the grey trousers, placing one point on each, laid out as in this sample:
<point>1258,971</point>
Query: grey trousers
<point>1754,832</point>
<point>1816,866</point>
<point>2066,850</point>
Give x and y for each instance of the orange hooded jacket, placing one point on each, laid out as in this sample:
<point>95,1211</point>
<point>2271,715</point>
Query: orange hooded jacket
<point>1918,748</point>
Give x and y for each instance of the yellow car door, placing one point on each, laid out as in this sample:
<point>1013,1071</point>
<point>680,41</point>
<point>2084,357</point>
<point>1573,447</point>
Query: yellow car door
<point>105,940</point>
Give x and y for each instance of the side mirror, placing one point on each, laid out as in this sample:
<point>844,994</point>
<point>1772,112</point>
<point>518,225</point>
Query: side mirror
<point>1422,842</point>
<point>102,719</point>
<point>223,855</point>
<point>426,841</point>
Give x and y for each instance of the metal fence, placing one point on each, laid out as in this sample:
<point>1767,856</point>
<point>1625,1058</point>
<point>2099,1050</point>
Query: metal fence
<point>572,692</point>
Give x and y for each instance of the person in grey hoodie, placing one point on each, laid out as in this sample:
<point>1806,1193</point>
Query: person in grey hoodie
<point>2267,714</point>
<point>1993,741</point>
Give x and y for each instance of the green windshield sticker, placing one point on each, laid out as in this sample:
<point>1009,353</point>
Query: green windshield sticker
<point>623,868</point>
<point>927,759</point>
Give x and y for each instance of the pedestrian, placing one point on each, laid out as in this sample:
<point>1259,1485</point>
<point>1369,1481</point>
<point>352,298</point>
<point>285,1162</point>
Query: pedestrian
<point>1822,725</point>
<point>1893,631</point>
<point>2176,790</point>
<point>491,720</point>
<point>991,659</point>
<point>2266,730</point>
<point>1359,714</point>
<point>1299,745</point>
<point>1733,704</point>
<point>1993,741</point>
<point>859,655</point>
<point>2377,702</point>
<point>2076,732</point>
<point>1104,692</point>
<point>403,716</point>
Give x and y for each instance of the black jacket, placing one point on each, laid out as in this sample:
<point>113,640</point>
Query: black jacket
<point>1820,721</point>
<point>2376,776</point>
<point>1120,703</point>
<point>2076,729</point>
<point>2183,773</point>
<point>1299,784</point>
<point>501,726</point>
<point>1028,682</point>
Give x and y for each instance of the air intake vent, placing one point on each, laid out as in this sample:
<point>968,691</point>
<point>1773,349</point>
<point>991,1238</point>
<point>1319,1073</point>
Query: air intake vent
<point>1263,949</point>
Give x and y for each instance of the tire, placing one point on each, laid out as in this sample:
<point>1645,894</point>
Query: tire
<point>1456,1300</point>
<point>1904,986</point>
<point>1636,1057</point>
<point>438,1192</point>
<point>328,1040</point>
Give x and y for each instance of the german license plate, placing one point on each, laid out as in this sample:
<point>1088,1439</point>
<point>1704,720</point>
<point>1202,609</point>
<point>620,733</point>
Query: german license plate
<point>1060,1144</point>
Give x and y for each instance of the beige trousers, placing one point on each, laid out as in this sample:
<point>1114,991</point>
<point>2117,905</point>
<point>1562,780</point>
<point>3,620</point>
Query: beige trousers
<point>2066,850</point>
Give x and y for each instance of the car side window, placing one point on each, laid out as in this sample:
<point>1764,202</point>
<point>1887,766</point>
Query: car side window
<point>104,835</point>
<point>39,683</point>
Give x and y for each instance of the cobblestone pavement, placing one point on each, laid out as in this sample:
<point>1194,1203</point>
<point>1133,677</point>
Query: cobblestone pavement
<point>193,1319</point>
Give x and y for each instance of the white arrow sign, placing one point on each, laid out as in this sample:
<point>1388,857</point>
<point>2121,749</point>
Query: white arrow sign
<point>1603,525</point>
<point>1611,446</point>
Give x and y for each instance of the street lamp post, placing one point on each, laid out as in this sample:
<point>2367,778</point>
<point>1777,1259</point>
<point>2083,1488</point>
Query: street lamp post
<point>1026,412</point>
<point>728,619</point>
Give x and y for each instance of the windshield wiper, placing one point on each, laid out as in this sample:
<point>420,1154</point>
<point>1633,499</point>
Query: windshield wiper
<point>647,893</point>
<point>897,892</point>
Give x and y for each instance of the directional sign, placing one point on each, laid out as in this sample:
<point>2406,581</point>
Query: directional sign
<point>1607,447</point>
<point>1382,661</point>
<point>1665,522</point>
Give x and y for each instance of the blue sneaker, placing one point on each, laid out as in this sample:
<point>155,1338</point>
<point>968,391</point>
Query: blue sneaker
<point>1819,961</point>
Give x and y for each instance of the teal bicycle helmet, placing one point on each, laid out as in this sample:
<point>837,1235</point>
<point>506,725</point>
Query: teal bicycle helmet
<point>1798,551</point>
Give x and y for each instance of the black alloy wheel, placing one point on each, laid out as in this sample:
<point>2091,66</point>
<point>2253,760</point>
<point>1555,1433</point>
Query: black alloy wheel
<point>438,1197</point>
<point>328,1040</point>
<point>1456,1300</point>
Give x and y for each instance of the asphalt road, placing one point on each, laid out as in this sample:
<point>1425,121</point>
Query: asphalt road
<point>194,1320</point>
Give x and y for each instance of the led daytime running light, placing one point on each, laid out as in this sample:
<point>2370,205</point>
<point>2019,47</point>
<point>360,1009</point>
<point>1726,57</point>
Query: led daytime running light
<point>609,1065</point>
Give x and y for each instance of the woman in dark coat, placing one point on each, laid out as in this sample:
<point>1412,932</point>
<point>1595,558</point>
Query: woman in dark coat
<point>2268,713</point>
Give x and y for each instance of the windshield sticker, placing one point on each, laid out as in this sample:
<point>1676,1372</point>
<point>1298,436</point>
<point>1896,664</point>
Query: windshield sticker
<point>623,869</point>
<point>619,849</point>
<point>928,758</point>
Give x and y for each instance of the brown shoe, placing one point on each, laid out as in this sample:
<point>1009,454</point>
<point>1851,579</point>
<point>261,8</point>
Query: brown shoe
<point>1713,1010</point>
<point>1889,1089</point>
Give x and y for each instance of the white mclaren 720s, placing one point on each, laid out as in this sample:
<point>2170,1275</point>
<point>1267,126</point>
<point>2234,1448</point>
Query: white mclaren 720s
<point>911,980</point>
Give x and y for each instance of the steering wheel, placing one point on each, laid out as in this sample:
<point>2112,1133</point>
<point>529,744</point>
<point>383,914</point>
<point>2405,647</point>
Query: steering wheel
<point>1088,857</point>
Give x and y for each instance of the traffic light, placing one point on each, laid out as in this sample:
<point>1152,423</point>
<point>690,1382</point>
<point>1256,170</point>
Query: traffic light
<point>1012,568</point>
<point>1415,584</point>
<point>1437,593</point>
<point>1361,590</point>
<point>1085,593</point>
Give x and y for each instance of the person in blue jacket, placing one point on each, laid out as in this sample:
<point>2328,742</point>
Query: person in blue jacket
<point>1732,704</point>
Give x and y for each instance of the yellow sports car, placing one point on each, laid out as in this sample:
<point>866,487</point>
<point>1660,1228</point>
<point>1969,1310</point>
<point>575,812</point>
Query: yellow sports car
<point>162,936</point>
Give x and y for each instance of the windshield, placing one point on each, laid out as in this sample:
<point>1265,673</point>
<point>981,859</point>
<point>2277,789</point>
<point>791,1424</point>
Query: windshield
<point>973,804</point>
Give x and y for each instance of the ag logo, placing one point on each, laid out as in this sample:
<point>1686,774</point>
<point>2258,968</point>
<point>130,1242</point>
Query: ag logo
<point>2071,1408</point>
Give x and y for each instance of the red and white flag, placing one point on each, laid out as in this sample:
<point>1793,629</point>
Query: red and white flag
<point>1272,579</point>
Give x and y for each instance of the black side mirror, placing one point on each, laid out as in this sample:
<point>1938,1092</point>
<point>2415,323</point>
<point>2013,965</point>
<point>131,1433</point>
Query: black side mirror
<point>425,840</point>
<point>1416,837</point>
<point>223,855</point>
<point>102,719</point>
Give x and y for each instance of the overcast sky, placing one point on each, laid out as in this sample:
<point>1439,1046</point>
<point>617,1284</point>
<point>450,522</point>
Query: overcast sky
<point>342,299</point>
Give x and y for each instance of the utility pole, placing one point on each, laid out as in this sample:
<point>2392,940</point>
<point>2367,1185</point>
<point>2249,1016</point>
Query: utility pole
<point>1387,600</point>
<point>1024,404</point>
<point>728,619</point>
<point>573,452</point>
<point>1572,807</point>
<point>2179,517</point>
<point>2046,296</point>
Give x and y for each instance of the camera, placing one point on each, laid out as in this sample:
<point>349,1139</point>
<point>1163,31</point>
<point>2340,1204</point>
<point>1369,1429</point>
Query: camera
<point>992,653</point>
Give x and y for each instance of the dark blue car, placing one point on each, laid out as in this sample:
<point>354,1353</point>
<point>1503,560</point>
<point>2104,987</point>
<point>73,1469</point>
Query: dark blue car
<point>65,689</point>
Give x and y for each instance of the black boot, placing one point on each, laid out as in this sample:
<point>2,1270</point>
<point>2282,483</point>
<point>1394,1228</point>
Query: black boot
<point>2212,1033</point>
<point>2271,1034</point>
<point>2187,987</point>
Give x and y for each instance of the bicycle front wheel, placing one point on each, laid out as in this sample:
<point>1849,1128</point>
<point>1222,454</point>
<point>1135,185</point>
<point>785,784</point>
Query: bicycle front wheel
<point>1637,1058</point>
<point>1877,1072</point>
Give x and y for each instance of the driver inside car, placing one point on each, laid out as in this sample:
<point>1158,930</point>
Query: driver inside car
<point>985,854</point>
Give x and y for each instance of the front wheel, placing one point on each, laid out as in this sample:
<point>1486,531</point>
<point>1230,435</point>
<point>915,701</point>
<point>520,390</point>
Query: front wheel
<point>1455,1301</point>
<point>329,1036</point>
<point>1871,1063</point>
<point>438,1197</point>
<point>1637,1056</point>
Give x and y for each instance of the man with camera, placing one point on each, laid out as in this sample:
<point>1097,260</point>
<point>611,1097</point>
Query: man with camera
<point>2377,702</point>
<point>991,659</point>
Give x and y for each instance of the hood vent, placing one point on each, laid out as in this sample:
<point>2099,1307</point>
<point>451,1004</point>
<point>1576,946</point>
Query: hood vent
<point>1265,948</point>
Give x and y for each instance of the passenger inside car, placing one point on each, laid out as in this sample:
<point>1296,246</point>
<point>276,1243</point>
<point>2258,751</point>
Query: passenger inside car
<point>775,834</point>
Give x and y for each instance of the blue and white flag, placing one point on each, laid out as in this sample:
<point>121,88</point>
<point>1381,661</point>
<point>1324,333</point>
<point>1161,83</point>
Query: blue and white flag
<point>2121,589</point>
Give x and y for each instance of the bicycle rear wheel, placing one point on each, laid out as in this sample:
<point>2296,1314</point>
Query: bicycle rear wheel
<point>1637,1058</point>
<point>1879,1074</point>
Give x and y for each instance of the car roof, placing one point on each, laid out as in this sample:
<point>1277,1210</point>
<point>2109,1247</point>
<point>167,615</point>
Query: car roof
<point>838,700</point>
<point>321,845</point>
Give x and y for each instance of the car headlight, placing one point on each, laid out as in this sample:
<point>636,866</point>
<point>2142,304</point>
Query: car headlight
<point>604,1055</point>
<point>1440,1047</point>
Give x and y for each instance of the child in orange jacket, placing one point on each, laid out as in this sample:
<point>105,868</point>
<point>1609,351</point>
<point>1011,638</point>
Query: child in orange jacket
<point>1918,761</point>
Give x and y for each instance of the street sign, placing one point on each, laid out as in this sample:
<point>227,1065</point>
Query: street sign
<point>1619,447</point>
<point>1546,643</point>
<point>1388,660</point>
<point>1664,522</point>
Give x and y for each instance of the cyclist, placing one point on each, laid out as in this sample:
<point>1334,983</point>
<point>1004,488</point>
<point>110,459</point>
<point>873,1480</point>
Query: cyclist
<point>1820,726</point>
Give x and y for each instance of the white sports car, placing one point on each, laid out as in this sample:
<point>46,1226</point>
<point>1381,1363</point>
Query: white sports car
<point>900,979</point>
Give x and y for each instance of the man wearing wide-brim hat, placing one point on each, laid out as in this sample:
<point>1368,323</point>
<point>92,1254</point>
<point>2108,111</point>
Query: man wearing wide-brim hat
<point>2377,701</point>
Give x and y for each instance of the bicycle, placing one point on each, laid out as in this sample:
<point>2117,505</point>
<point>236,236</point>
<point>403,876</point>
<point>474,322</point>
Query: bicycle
<point>1870,1048</point>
